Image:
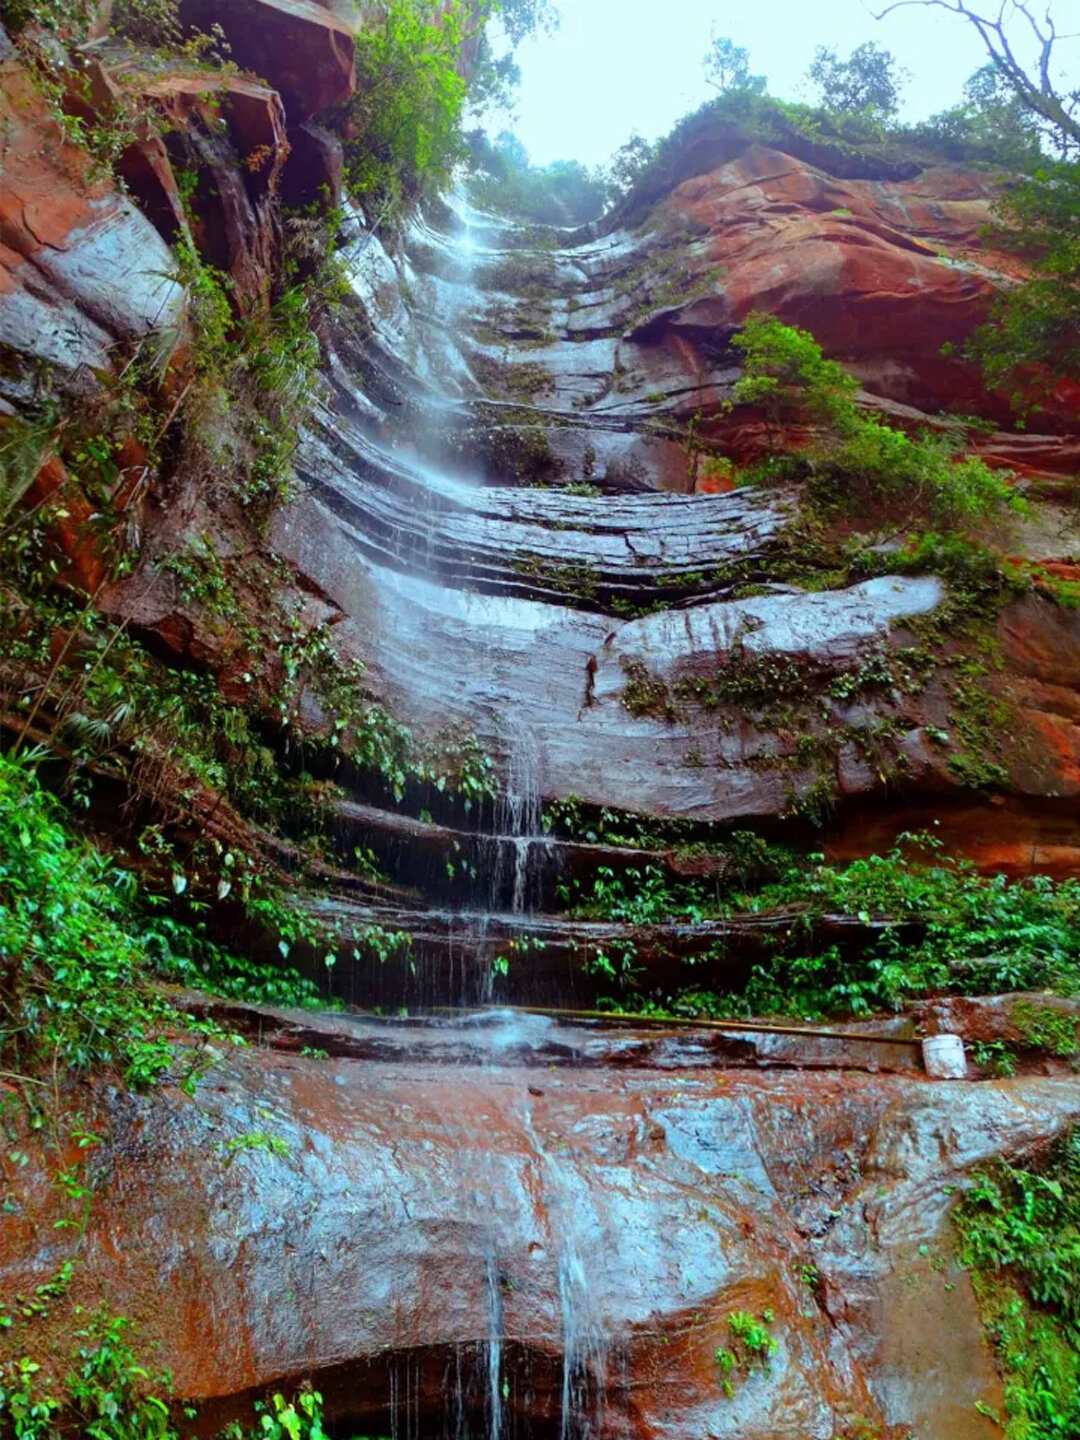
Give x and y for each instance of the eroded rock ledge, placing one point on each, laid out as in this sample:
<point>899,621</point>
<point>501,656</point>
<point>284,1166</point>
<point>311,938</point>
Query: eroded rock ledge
<point>424,1212</point>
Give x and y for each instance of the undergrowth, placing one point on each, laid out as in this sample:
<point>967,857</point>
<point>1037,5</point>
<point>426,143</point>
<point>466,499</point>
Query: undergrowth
<point>930,924</point>
<point>1019,1235</point>
<point>82,946</point>
<point>858,458</point>
<point>106,1391</point>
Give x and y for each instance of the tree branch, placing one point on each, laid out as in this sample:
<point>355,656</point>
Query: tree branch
<point>1036,92</point>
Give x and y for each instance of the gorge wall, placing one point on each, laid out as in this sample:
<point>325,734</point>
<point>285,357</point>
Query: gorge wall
<point>521,518</point>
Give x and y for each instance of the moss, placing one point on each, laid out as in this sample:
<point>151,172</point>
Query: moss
<point>521,453</point>
<point>520,382</point>
<point>645,694</point>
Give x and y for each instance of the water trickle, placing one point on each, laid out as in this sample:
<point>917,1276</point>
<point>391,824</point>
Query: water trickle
<point>494,1347</point>
<point>522,846</point>
<point>519,818</point>
<point>584,1342</point>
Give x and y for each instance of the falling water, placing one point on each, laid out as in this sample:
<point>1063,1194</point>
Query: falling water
<point>519,819</point>
<point>584,1345</point>
<point>494,1348</point>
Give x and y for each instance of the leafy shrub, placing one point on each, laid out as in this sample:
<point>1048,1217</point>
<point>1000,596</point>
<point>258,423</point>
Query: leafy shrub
<point>81,951</point>
<point>108,1393</point>
<point>75,979</point>
<point>786,374</point>
<point>69,18</point>
<point>751,1348</point>
<point>972,933</point>
<point>939,926</point>
<point>148,22</point>
<point>409,99</point>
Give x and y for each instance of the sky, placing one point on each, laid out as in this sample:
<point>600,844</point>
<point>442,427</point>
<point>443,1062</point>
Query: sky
<point>614,66</point>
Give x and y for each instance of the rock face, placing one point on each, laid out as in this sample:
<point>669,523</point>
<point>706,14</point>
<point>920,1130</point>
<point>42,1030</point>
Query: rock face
<point>80,268</point>
<point>482,360</point>
<point>526,591</point>
<point>511,1236</point>
<point>507,517</point>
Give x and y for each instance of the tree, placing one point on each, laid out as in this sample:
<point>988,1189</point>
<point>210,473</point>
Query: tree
<point>1035,337</point>
<point>866,83</point>
<point>562,193</point>
<point>630,162</point>
<point>1003,27</point>
<point>727,68</point>
<point>522,18</point>
<point>991,124</point>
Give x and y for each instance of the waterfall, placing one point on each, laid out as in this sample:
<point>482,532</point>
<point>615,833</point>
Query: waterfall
<point>494,1348</point>
<point>584,1342</point>
<point>519,819</point>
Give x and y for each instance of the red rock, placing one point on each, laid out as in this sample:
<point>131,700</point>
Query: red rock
<point>302,49</point>
<point>423,1210</point>
<point>314,170</point>
<point>852,260</point>
<point>71,531</point>
<point>80,268</point>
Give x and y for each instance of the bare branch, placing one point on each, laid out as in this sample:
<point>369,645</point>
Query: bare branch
<point>1035,88</point>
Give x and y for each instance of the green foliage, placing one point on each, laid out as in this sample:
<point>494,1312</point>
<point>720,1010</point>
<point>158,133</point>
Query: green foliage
<point>255,376</point>
<point>296,1419</point>
<point>931,925</point>
<point>1034,337</point>
<point>407,109</point>
<point>991,126</point>
<point>866,83</point>
<point>727,68</point>
<point>785,371</point>
<point>859,456</point>
<point>972,933</point>
<point>148,22</point>
<point>563,193</point>
<point>67,18</point>
<point>1042,1027</point>
<point>1019,1232</point>
<point>75,980</point>
<point>750,1349</point>
<point>635,897</point>
<point>630,163</point>
<point>24,445</point>
<point>108,1393</point>
<point>82,943</point>
<point>257,1140</point>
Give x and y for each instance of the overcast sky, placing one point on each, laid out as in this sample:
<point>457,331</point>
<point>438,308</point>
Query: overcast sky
<point>614,66</point>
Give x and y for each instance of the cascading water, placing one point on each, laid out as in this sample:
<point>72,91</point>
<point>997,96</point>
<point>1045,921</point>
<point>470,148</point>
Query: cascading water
<point>519,817</point>
<point>584,1342</point>
<point>494,1369</point>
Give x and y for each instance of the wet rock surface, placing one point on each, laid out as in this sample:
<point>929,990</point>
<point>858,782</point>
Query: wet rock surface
<point>596,1228</point>
<point>503,519</point>
<point>81,268</point>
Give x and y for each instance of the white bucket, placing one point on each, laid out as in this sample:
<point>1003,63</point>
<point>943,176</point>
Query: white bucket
<point>943,1056</point>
